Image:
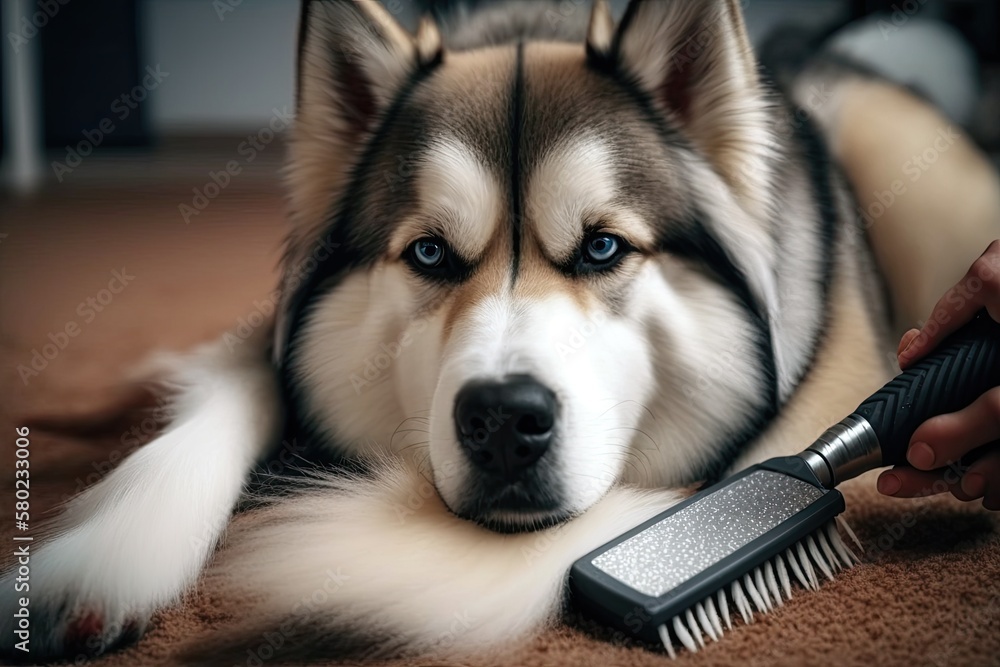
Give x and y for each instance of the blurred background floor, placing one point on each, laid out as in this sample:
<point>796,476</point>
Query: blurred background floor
<point>192,280</point>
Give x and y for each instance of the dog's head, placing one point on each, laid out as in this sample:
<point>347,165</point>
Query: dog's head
<point>539,266</point>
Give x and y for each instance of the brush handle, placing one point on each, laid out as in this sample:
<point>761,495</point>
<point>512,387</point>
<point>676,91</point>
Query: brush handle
<point>956,373</point>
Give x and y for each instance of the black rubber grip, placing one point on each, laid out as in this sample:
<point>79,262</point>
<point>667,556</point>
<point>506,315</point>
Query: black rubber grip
<point>962,368</point>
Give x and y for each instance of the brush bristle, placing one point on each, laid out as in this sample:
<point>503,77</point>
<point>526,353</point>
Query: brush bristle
<point>762,589</point>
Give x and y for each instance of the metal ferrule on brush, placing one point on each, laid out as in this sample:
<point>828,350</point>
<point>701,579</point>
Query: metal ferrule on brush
<point>844,451</point>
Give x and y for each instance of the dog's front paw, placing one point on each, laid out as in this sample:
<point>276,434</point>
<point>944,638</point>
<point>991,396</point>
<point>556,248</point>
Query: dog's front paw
<point>63,623</point>
<point>80,594</point>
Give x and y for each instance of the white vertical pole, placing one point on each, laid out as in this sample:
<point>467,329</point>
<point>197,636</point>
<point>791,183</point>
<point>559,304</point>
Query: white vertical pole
<point>24,158</point>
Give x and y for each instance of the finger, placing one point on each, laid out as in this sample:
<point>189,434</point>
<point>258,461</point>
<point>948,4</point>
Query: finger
<point>946,438</point>
<point>983,480</point>
<point>905,482</point>
<point>980,287</point>
<point>905,341</point>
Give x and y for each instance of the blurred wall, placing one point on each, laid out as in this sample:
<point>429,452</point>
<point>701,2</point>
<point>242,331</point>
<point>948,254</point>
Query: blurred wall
<point>229,68</point>
<point>232,61</point>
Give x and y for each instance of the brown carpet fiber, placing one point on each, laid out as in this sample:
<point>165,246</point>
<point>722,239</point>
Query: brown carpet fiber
<point>927,593</point>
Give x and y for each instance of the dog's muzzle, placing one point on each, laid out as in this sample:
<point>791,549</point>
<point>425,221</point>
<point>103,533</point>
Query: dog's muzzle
<point>504,427</point>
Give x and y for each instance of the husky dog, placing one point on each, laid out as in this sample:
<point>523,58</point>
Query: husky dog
<point>544,273</point>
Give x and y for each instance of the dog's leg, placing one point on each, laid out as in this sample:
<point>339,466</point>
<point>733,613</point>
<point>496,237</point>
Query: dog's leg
<point>136,540</point>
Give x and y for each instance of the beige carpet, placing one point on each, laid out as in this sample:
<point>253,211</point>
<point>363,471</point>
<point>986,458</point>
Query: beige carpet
<point>928,592</point>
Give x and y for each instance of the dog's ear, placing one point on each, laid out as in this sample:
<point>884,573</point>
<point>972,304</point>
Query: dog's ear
<point>354,58</point>
<point>693,58</point>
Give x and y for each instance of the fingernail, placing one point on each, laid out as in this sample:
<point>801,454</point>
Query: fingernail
<point>888,484</point>
<point>906,341</point>
<point>921,456</point>
<point>974,484</point>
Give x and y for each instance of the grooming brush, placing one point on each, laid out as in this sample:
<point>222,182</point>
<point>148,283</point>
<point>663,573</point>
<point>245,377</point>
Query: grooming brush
<point>675,577</point>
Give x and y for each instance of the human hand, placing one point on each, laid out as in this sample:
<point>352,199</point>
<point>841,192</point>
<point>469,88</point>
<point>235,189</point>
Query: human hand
<point>938,446</point>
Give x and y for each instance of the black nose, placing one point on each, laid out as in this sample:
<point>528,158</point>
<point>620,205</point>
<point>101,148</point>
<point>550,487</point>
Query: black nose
<point>505,427</point>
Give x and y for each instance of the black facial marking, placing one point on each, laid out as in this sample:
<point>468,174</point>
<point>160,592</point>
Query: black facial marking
<point>821,166</point>
<point>695,241</point>
<point>300,42</point>
<point>516,131</point>
<point>818,158</point>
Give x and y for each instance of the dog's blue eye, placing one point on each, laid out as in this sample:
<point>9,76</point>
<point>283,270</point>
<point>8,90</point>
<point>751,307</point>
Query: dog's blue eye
<point>432,259</point>
<point>428,252</point>
<point>602,249</point>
